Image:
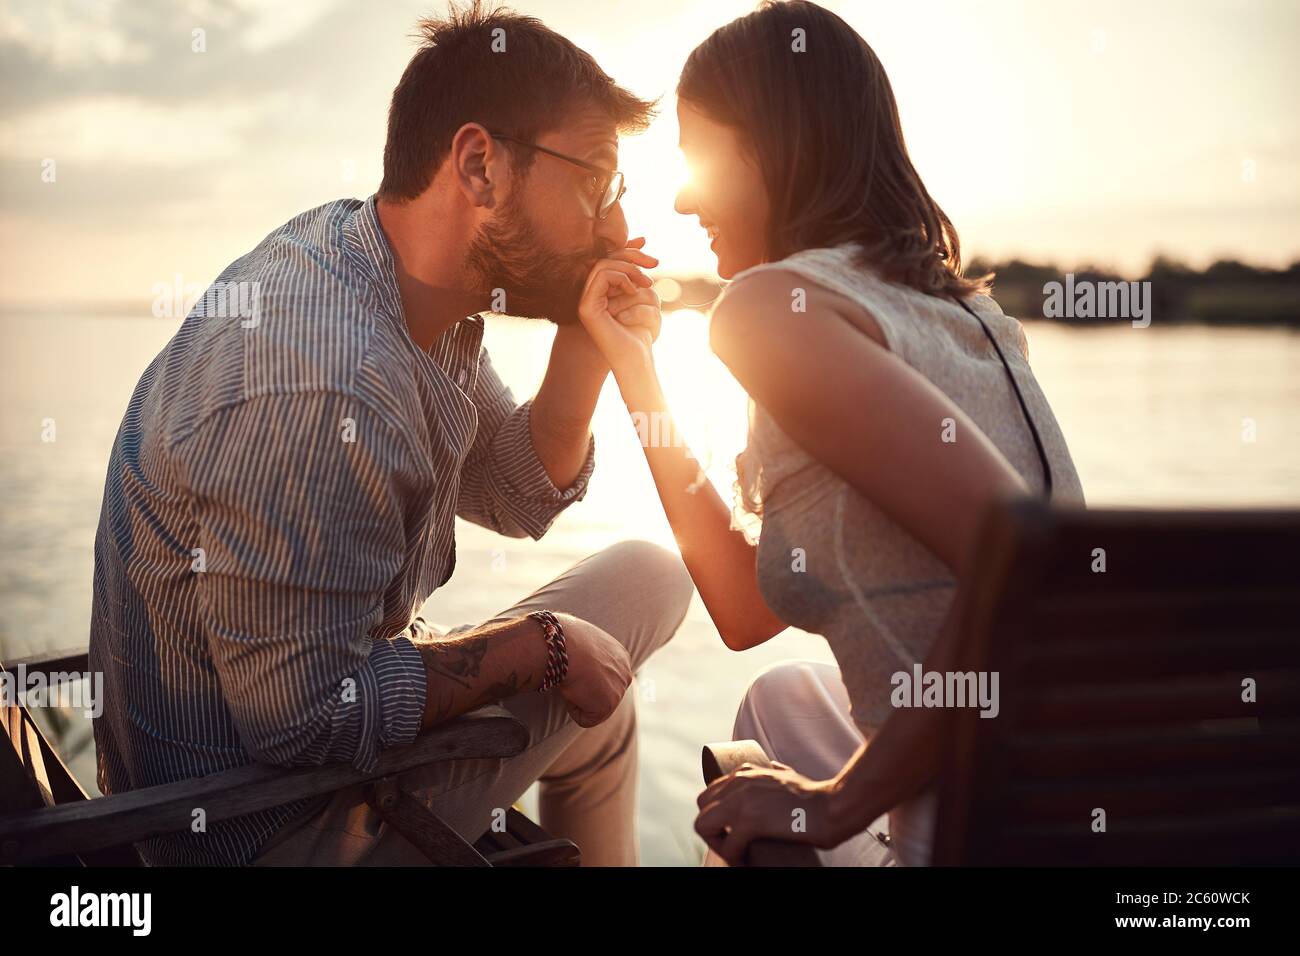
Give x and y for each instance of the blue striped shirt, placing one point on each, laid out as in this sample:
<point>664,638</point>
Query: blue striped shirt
<point>280,501</point>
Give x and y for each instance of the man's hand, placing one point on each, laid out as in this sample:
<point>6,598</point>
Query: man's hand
<point>499,660</point>
<point>599,671</point>
<point>753,803</point>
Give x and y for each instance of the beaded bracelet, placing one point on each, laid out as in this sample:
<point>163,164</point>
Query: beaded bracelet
<point>557,657</point>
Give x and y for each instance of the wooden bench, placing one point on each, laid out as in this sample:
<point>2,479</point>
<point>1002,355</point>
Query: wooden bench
<point>1120,691</point>
<point>47,817</point>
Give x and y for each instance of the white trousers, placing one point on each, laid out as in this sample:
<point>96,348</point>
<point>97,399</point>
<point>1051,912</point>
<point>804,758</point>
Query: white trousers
<point>799,712</point>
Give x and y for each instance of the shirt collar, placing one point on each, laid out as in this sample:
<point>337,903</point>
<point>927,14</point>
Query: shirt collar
<point>374,256</point>
<point>455,352</point>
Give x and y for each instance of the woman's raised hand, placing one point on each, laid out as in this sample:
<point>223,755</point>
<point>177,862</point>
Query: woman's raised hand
<point>620,309</point>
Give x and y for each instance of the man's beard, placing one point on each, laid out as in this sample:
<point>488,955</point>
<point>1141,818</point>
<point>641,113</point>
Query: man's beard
<point>508,254</point>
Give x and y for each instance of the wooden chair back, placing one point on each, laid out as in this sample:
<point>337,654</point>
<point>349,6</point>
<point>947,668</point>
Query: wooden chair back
<point>32,774</point>
<point>1149,684</point>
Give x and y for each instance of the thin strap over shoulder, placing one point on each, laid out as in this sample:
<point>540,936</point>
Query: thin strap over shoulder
<point>1024,408</point>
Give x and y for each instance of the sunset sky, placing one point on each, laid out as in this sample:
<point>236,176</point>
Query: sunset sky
<point>1098,133</point>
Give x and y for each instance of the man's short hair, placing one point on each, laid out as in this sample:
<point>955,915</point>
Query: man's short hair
<point>511,73</point>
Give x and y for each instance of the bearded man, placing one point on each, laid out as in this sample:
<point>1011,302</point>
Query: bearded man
<point>281,496</point>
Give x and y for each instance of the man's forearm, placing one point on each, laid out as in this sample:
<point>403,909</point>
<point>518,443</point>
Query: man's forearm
<point>560,422</point>
<point>481,667</point>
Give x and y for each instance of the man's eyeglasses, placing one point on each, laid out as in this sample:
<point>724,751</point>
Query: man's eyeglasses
<point>609,186</point>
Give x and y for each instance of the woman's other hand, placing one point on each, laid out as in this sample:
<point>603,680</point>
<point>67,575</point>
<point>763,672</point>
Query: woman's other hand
<point>779,803</point>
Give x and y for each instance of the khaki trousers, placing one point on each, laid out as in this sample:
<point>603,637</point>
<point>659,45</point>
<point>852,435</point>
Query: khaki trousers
<point>636,591</point>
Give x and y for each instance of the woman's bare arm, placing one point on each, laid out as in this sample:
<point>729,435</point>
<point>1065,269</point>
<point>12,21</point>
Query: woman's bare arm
<point>722,563</point>
<point>861,411</point>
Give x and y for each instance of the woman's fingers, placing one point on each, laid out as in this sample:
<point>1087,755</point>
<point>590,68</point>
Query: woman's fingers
<point>726,835</point>
<point>712,819</point>
<point>603,285</point>
<point>635,256</point>
<point>623,265</point>
<point>647,315</point>
<point>634,252</point>
<point>733,846</point>
<point>715,791</point>
<point>641,319</point>
<point>607,281</point>
<point>638,297</point>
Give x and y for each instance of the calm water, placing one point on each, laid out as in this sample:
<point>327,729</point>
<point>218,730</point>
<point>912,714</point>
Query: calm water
<point>1154,417</point>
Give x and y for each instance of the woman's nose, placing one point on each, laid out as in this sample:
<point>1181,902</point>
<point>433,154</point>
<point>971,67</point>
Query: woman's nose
<point>684,203</point>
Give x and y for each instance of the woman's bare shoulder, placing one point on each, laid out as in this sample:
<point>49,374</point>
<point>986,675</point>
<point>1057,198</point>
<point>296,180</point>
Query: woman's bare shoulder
<point>780,303</point>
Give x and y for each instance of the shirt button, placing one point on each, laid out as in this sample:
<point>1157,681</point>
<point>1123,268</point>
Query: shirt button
<point>461,378</point>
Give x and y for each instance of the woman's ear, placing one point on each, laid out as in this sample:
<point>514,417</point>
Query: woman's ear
<point>478,165</point>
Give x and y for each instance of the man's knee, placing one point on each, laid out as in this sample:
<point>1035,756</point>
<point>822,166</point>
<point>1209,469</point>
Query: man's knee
<point>659,579</point>
<point>597,748</point>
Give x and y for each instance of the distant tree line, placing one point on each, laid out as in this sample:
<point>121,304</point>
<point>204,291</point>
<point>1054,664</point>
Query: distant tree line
<point>1226,293</point>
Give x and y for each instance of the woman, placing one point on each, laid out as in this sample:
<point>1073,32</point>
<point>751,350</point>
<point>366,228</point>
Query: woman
<point>892,404</point>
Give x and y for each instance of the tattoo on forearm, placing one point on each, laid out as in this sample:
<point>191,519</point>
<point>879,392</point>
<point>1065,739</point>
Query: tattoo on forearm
<point>459,661</point>
<point>502,689</point>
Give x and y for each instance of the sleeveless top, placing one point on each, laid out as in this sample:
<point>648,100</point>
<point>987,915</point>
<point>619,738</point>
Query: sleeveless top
<point>877,594</point>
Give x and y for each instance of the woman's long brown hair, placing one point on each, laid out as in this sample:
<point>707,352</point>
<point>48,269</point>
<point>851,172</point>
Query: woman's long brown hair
<point>824,127</point>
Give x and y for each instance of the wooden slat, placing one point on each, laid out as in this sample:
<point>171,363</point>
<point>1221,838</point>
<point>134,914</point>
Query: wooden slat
<point>35,762</point>
<point>139,814</point>
<point>1173,700</point>
<point>15,719</point>
<point>1231,613</point>
<point>493,841</point>
<point>440,844</point>
<point>522,829</point>
<point>63,785</point>
<point>1222,839</point>
<point>1090,658</point>
<point>66,660</point>
<point>524,843</point>
<point>1155,552</point>
<point>1230,749</point>
<point>1133,796</point>
<point>545,853</point>
<point>18,791</point>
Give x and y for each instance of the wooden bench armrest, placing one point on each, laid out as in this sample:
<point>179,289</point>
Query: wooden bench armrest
<point>137,815</point>
<point>68,659</point>
<point>720,759</point>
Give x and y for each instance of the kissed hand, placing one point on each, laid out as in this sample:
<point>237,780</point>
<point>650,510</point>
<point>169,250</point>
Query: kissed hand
<point>620,309</point>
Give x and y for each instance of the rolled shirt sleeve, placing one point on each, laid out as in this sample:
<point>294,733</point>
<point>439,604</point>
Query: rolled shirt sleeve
<point>300,523</point>
<point>504,485</point>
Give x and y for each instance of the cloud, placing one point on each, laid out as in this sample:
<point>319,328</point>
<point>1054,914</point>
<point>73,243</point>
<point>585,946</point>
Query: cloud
<point>56,50</point>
